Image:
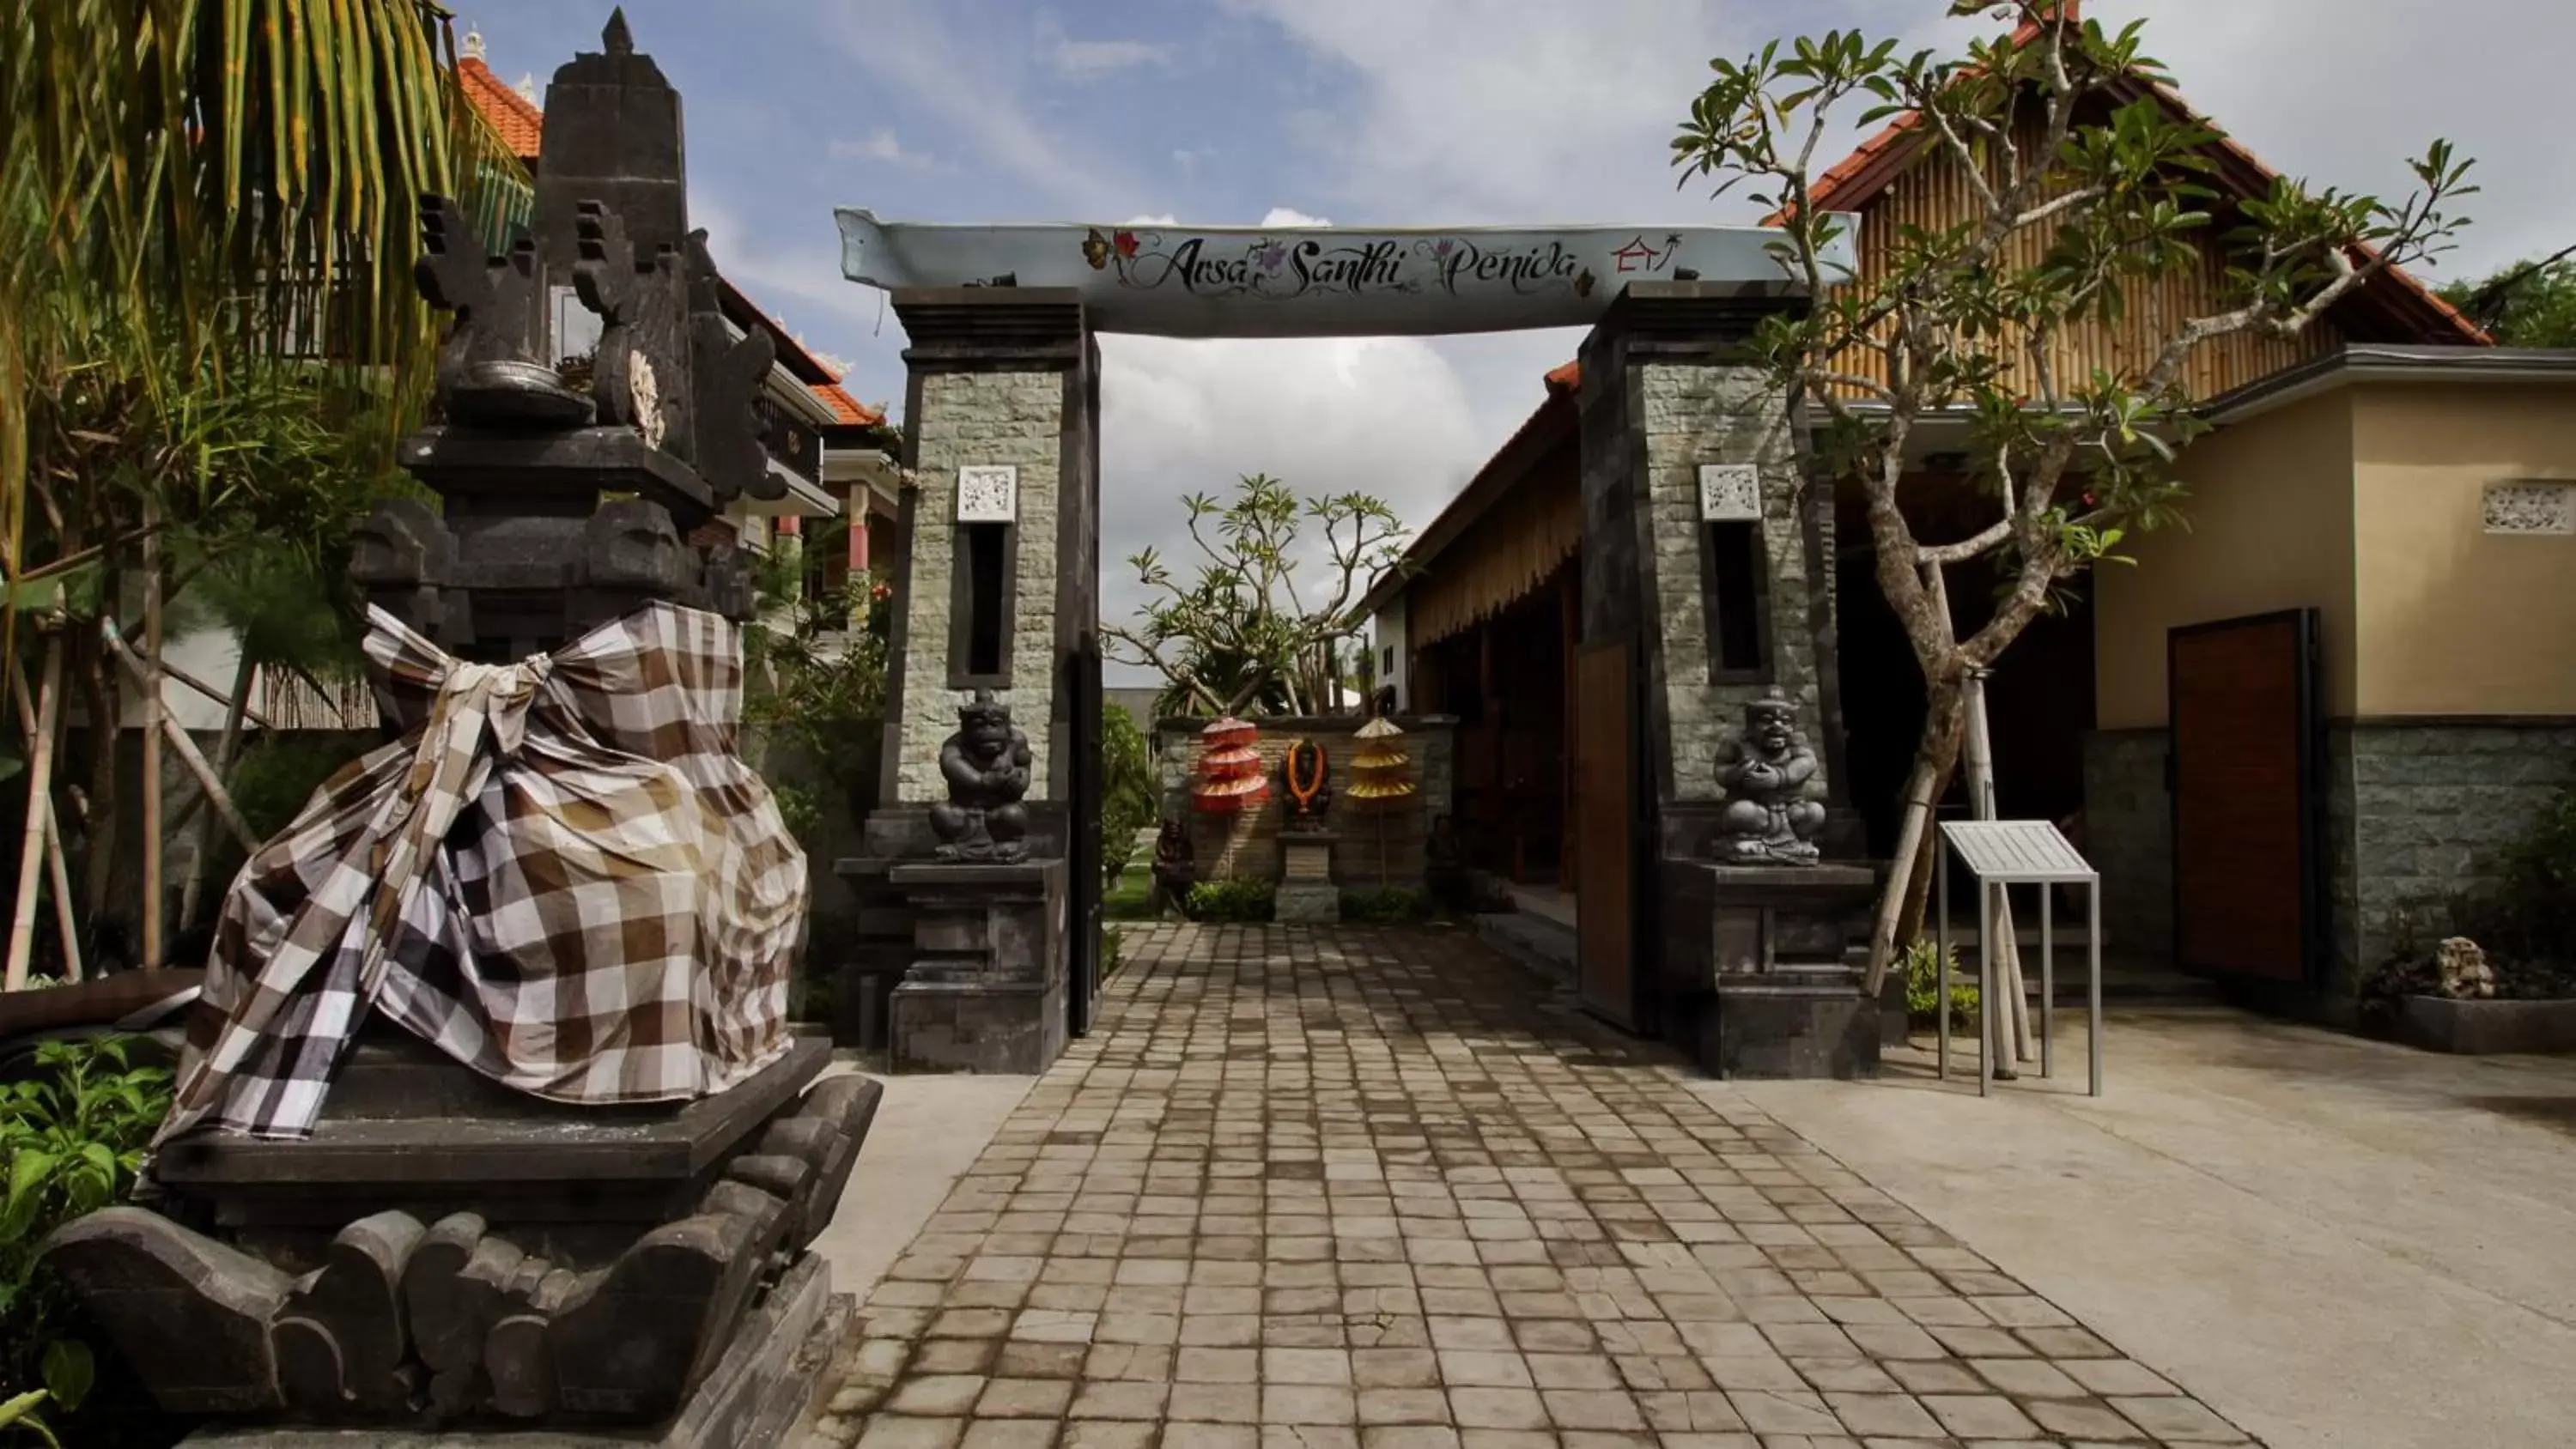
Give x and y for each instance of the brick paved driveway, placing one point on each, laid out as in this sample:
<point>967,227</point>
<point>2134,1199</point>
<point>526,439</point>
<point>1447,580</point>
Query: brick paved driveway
<point>1309,1188</point>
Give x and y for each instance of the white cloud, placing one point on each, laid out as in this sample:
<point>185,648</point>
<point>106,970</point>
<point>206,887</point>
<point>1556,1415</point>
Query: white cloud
<point>883,146</point>
<point>1383,416</point>
<point>1083,60</point>
<point>971,87</point>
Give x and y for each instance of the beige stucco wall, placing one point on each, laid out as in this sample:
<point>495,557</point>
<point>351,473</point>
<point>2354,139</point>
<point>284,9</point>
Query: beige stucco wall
<point>2454,620</point>
<point>2272,527</point>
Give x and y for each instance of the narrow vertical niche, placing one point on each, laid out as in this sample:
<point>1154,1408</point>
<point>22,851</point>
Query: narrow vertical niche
<point>1735,597</point>
<point>985,558</point>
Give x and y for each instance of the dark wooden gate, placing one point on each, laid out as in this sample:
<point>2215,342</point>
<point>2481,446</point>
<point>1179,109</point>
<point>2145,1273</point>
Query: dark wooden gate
<point>1605,830</point>
<point>2246,775</point>
<point>1083,858</point>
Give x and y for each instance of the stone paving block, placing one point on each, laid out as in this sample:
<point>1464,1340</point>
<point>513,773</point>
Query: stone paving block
<point>1361,1189</point>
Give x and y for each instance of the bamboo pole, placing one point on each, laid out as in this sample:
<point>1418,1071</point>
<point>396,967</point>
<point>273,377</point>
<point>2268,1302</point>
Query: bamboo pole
<point>40,794</point>
<point>189,754</point>
<point>155,710</point>
<point>2005,948</point>
<point>58,871</point>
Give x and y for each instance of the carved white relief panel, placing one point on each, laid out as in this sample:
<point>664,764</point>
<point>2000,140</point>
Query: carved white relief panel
<point>988,494</point>
<point>2531,507</point>
<point>1730,493</point>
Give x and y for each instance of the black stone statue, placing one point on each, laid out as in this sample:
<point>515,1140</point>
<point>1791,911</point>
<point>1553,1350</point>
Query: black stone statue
<point>1764,769</point>
<point>1175,862</point>
<point>986,764</point>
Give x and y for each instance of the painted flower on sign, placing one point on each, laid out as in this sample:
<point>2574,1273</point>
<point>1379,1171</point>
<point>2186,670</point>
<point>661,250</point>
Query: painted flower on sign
<point>1273,257</point>
<point>1095,250</point>
<point>1125,241</point>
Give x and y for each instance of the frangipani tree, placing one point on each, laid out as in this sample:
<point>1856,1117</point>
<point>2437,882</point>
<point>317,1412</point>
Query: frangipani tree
<point>1250,625</point>
<point>2087,189</point>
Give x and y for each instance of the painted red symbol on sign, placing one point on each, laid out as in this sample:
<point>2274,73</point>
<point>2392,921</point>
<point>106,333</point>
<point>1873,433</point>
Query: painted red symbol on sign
<point>1635,256</point>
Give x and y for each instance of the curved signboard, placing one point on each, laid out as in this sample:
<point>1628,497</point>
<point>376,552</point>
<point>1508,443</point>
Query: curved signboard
<point>1321,281</point>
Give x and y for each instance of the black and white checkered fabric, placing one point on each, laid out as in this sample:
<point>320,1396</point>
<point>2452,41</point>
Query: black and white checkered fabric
<point>563,876</point>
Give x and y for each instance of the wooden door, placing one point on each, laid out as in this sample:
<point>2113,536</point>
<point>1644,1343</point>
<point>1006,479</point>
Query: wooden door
<point>2245,775</point>
<point>1605,831</point>
<point>1084,858</point>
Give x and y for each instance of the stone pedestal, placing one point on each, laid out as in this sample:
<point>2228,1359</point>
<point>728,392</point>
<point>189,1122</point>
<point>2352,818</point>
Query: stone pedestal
<point>1306,890</point>
<point>443,1255</point>
<point>1764,967</point>
<point>985,990</point>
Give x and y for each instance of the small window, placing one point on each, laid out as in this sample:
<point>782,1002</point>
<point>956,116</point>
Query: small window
<point>985,557</point>
<point>1735,590</point>
<point>1389,670</point>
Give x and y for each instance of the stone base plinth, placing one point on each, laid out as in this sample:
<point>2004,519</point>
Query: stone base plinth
<point>1306,858</point>
<point>985,988</point>
<point>767,1384</point>
<point>2487,1027</point>
<point>1763,968</point>
<point>1307,902</point>
<point>1797,1025</point>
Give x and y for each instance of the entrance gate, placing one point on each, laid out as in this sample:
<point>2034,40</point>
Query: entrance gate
<point>998,960</point>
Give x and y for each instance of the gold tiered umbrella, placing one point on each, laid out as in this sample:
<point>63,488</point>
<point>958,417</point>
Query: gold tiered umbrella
<point>1381,778</point>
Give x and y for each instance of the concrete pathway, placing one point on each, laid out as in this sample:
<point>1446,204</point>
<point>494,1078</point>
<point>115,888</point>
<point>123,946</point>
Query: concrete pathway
<point>2335,1242</point>
<point>1331,1188</point>
<point>928,1132</point>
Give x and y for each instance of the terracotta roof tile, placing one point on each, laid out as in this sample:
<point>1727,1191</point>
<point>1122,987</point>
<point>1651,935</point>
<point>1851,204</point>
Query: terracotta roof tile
<point>850,412</point>
<point>1568,378</point>
<point>521,125</point>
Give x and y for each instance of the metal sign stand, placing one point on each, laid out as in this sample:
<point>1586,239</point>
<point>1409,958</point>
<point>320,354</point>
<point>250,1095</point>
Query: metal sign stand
<point>2002,853</point>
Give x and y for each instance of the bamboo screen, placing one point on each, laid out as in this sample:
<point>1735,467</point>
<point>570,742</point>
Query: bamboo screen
<point>1503,558</point>
<point>1934,192</point>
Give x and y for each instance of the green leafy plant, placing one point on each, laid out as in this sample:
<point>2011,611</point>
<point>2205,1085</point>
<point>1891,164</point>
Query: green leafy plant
<point>1130,793</point>
<point>817,671</point>
<point>1113,944</point>
<point>1231,900</point>
<point>2536,903</point>
<point>1394,906</point>
<point>1922,965</point>
<point>19,1414</point>
<point>1248,628</point>
<point>73,1137</point>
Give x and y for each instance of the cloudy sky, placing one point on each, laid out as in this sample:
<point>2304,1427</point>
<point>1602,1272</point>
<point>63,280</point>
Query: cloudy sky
<point>1409,112</point>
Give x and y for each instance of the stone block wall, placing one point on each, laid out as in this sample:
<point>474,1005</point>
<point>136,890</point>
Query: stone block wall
<point>2428,807</point>
<point>1245,846</point>
<point>2128,835</point>
<point>2415,814</point>
<point>972,419</point>
<point>1696,414</point>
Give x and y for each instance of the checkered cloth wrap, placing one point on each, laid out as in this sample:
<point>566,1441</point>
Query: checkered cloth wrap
<point>563,876</point>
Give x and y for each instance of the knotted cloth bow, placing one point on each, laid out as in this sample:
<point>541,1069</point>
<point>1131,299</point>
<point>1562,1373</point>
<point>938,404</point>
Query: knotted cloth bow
<point>562,876</point>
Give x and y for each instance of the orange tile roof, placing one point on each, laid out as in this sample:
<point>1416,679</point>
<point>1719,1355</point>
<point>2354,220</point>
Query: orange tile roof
<point>849,411</point>
<point>1568,378</point>
<point>521,125</point>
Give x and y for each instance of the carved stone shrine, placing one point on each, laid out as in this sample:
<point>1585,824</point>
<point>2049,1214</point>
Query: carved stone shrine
<point>593,1219</point>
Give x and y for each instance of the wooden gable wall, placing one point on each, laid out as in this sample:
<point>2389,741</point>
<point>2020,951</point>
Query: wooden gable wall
<point>1934,191</point>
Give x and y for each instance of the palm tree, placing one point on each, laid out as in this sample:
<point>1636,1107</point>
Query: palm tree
<point>207,228</point>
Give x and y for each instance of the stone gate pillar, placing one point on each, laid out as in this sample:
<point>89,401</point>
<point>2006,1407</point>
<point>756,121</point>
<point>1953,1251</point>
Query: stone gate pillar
<point>1704,544</point>
<point>1699,536</point>
<point>999,592</point>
